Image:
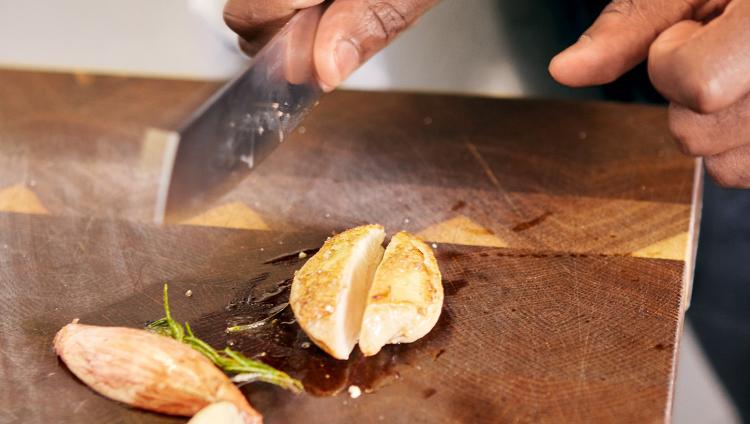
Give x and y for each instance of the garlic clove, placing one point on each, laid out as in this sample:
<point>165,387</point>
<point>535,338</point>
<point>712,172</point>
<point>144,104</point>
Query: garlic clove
<point>218,413</point>
<point>328,292</point>
<point>406,296</point>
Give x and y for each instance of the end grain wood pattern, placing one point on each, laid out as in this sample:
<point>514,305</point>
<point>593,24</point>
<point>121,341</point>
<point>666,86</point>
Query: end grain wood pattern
<point>563,231</point>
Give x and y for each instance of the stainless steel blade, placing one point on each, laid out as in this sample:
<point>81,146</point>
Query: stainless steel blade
<point>241,124</point>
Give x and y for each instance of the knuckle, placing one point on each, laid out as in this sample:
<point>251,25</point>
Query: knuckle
<point>705,95</point>
<point>687,145</point>
<point>389,21</point>
<point>691,147</point>
<point>687,141</point>
<point>722,174</point>
<point>236,22</point>
<point>703,91</point>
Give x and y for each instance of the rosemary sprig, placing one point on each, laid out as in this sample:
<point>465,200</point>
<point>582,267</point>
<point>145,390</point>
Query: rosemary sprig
<point>244,369</point>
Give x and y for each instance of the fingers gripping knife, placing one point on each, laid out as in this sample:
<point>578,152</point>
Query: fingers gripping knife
<point>240,124</point>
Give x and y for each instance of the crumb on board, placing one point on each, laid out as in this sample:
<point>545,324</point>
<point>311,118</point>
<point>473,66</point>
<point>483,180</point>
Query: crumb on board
<point>434,245</point>
<point>189,293</point>
<point>302,254</point>
<point>354,391</point>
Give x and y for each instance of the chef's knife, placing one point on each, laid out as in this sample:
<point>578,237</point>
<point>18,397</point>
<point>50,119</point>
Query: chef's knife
<point>241,123</point>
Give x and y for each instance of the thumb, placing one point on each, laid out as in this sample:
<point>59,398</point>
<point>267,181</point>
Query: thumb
<point>618,40</point>
<point>351,31</point>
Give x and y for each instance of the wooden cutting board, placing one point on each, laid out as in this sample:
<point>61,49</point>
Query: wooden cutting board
<point>564,232</point>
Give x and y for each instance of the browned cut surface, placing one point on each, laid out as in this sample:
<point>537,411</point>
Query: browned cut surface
<point>561,230</point>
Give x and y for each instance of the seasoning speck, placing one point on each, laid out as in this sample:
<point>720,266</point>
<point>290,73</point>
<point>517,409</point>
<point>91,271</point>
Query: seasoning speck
<point>355,392</point>
<point>302,254</point>
<point>189,293</point>
<point>406,220</point>
<point>434,245</point>
<point>328,308</point>
<point>305,345</point>
<point>248,159</point>
<point>328,215</point>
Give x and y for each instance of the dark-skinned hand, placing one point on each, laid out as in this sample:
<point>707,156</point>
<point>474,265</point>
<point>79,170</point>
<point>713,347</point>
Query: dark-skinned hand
<point>698,55</point>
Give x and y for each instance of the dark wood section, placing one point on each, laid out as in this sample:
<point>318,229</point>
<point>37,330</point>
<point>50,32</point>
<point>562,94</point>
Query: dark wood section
<point>527,336</point>
<point>561,230</point>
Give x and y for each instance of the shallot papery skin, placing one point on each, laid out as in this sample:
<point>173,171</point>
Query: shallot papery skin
<point>147,370</point>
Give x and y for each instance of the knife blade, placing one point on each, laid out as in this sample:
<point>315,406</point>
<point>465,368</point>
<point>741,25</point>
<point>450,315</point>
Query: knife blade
<point>241,124</point>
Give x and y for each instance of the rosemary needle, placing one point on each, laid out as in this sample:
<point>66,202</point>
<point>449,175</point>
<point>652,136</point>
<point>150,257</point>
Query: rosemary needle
<point>243,368</point>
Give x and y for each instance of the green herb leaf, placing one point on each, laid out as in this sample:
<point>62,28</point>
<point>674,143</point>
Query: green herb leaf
<point>231,362</point>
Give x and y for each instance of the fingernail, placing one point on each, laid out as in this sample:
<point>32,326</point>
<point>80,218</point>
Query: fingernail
<point>325,87</point>
<point>582,42</point>
<point>562,58</point>
<point>347,59</point>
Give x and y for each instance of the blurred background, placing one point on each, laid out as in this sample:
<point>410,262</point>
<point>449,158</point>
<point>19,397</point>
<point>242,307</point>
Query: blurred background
<point>484,47</point>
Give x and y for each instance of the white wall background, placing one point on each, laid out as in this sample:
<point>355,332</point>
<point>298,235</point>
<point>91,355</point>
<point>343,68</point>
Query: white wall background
<point>156,37</point>
<point>460,46</point>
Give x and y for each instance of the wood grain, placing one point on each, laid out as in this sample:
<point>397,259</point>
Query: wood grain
<point>525,336</point>
<point>562,229</point>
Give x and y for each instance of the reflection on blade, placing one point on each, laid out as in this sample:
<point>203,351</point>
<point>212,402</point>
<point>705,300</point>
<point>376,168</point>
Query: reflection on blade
<point>240,124</point>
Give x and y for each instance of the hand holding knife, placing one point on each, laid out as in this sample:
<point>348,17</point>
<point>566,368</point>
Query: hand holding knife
<point>241,123</point>
<point>251,115</point>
